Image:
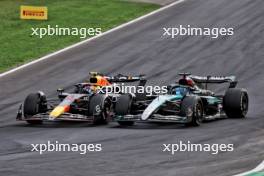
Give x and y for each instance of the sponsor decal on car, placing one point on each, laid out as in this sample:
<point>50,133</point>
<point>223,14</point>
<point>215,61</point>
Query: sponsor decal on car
<point>34,12</point>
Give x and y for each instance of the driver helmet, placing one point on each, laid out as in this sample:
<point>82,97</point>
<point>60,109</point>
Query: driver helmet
<point>187,82</point>
<point>180,91</point>
<point>190,82</point>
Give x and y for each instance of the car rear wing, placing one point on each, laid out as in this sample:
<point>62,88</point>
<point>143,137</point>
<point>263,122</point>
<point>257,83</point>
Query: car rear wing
<point>215,79</point>
<point>119,78</point>
<point>125,78</point>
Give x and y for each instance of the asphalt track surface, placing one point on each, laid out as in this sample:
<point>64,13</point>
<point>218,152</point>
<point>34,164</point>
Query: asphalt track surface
<point>139,48</point>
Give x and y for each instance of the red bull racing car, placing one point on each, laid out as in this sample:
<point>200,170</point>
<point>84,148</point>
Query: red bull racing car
<point>87,103</point>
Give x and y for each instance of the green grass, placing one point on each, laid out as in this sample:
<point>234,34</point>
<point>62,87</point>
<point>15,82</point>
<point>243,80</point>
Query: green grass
<point>18,46</point>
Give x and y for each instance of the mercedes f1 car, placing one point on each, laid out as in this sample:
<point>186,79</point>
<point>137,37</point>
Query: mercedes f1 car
<point>87,103</point>
<point>188,102</point>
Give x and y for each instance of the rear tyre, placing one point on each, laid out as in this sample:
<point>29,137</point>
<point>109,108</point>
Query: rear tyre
<point>192,107</point>
<point>123,104</point>
<point>33,105</point>
<point>122,107</point>
<point>100,108</point>
<point>235,103</point>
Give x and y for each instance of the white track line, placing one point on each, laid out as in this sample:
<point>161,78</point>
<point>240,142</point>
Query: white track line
<point>90,39</point>
<point>259,168</point>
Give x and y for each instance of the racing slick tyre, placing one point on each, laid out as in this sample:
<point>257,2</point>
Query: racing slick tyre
<point>192,106</point>
<point>235,103</point>
<point>33,105</point>
<point>123,104</point>
<point>122,107</point>
<point>100,108</point>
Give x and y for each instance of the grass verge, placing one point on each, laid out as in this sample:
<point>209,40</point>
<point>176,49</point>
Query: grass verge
<point>18,46</point>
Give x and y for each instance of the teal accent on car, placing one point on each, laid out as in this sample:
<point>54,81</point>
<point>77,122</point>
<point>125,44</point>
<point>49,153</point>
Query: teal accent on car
<point>157,102</point>
<point>256,174</point>
<point>212,100</point>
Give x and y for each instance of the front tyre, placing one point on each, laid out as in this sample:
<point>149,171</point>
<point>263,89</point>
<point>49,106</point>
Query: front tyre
<point>33,105</point>
<point>192,107</point>
<point>235,103</point>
